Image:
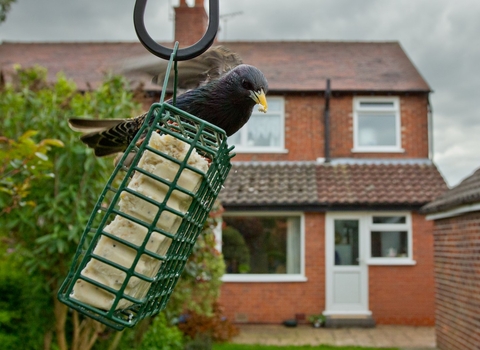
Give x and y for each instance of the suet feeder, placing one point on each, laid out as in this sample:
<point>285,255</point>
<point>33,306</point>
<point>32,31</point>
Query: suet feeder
<point>139,291</point>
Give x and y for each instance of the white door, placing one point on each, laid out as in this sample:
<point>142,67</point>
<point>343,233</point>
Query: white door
<point>346,269</point>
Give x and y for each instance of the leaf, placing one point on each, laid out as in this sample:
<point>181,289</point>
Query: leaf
<point>42,156</point>
<point>52,142</point>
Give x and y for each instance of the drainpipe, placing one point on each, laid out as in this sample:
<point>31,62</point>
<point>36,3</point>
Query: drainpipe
<point>430,128</point>
<point>326,115</point>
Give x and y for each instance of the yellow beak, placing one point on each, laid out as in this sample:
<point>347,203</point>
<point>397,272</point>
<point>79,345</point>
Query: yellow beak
<point>260,98</point>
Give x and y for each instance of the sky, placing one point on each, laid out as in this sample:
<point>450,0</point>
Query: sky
<point>440,37</point>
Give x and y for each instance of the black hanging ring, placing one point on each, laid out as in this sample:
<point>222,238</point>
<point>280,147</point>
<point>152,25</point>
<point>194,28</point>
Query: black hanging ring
<point>182,54</point>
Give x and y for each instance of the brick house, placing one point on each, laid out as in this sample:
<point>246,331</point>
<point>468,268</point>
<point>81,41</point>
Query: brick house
<point>323,201</point>
<point>456,233</point>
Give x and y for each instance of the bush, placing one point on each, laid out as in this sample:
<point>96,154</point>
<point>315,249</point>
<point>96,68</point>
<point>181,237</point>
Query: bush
<point>22,307</point>
<point>217,326</point>
<point>161,336</point>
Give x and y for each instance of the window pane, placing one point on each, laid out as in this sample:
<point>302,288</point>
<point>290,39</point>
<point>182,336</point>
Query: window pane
<point>235,139</point>
<point>389,244</point>
<point>346,242</point>
<point>264,130</point>
<point>376,130</point>
<point>274,105</point>
<point>262,245</point>
<point>389,219</point>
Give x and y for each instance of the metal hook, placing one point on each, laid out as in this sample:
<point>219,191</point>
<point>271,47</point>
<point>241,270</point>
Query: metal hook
<point>182,54</point>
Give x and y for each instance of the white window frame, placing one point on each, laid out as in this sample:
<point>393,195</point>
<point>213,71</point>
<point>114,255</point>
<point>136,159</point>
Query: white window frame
<point>407,226</point>
<point>358,109</point>
<point>263,277</point>
<point>243,148</point>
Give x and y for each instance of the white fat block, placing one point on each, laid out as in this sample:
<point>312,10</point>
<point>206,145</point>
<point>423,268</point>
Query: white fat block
<point>134,233</point>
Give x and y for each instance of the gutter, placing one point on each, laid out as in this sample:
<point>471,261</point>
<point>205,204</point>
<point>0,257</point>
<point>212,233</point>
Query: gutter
<point>464,209</point>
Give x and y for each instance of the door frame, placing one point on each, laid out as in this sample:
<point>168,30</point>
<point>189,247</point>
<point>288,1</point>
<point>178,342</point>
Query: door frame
<point>363,307</point>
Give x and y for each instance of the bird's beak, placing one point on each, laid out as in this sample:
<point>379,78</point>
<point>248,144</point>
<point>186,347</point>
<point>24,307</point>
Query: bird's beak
<point>260,98</point>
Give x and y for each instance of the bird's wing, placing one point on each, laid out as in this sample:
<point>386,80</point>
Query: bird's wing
<point>191,73</point>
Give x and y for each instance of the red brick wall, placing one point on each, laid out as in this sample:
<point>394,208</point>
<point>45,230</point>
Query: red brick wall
<point>398,294</point>
<point>414,128</point>
<point>304,132</point>
<point>304,129</point>
<point>190,23</point>
<point>405,294</point>
<point>457,277</point>
<point>276,302</point>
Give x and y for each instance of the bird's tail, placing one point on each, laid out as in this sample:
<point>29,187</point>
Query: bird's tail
<point>107,136</point>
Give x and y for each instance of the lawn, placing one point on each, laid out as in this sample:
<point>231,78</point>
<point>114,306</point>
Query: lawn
<point>227,346</point>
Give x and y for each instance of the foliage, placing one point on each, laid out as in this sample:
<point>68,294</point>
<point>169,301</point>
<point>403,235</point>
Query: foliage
<point>216,326</point>
<point>22,307</point>
<point>235,251</point>
<point>317,318</point>
<point>46,234</point>
<point>22,162</point>
<point>199,286</point>
<point>161,336</point>
<point>4,8</point>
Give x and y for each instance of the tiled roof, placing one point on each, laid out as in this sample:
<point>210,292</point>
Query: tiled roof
<point>257,184</point>
<point>271,183</point>
<point>467,192</point>
<point>288,65</point>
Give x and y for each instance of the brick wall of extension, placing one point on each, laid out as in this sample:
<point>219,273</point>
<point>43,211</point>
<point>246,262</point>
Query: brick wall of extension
<point>393,290</point>
<point>304,129</point>
<point>457,271</point>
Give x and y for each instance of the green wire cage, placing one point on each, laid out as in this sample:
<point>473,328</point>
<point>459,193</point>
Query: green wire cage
<point>128,262</point>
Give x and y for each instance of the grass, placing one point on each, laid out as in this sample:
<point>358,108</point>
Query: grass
<point>229,346</point>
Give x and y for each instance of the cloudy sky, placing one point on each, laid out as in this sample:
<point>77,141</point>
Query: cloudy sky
<point>440,36</point>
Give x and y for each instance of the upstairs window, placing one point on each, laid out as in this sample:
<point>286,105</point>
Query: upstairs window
<point>376,124</point>
<point>264,132</point>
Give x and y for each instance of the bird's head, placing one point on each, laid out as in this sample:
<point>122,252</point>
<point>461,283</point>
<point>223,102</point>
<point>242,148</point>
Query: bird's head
<point>250,83</point>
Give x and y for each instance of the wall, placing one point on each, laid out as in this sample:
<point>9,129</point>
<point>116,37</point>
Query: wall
<point>406,294</point>
<point>457,280</point>
<point>304,129</point>
<point>276,302</point>
<point>398,294</point>
<point>414,128</point>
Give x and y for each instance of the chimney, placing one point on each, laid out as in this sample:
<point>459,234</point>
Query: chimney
<point>190,22</point>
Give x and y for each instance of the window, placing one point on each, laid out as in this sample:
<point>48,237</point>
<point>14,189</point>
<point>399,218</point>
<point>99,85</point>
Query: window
<point>376,124</point>
<point>390,238</point>
<point>264,247</point>
<point>264,132</point>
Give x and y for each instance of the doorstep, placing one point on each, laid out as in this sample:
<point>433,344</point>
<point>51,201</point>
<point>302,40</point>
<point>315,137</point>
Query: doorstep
<point>341,321</point>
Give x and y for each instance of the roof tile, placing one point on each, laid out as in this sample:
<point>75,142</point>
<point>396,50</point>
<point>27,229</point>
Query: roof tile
<point>288,65</point>
<point>467,192</point>
<point>310,183</point>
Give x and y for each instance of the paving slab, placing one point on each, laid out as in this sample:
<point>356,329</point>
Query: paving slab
<point>404,337</point>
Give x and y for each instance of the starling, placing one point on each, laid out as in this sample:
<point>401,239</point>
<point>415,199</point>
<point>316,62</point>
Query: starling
<point>223,91</point>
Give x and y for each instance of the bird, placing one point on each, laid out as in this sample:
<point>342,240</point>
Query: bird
<point>220,89</point>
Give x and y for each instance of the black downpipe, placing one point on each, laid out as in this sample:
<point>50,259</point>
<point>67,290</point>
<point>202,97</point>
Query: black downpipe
<point>326,115</point>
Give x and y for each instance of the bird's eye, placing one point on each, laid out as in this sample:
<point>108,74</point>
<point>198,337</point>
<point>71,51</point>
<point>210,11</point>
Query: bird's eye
<point>247,85</point>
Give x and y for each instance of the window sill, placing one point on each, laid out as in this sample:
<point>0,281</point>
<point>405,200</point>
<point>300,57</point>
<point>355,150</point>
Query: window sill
<point>391,261</point>
<point>377,150</point>
<point>263,278</point>
<point>259,150</point>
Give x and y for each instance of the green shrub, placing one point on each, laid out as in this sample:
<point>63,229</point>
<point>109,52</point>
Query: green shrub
<point>22,308</point>
<point>162,336</point>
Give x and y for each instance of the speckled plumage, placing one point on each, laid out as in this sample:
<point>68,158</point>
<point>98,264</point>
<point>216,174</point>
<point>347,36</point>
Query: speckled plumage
<point>226,101</point>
